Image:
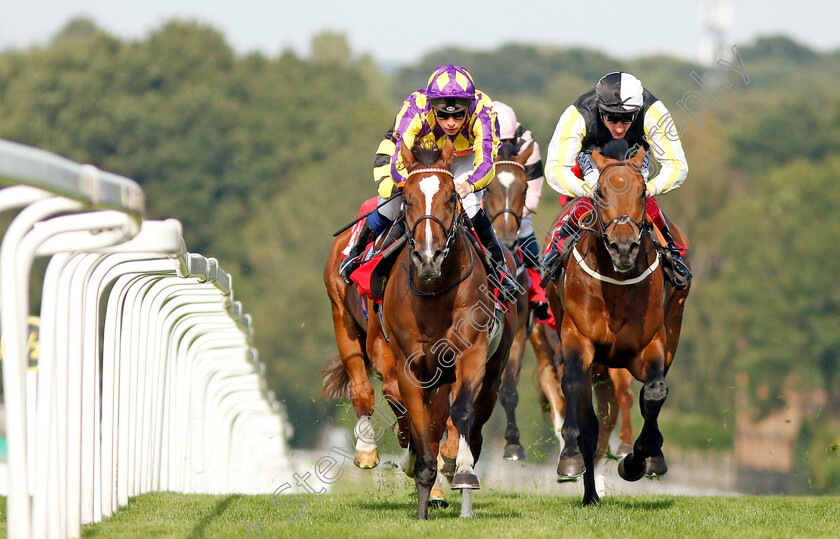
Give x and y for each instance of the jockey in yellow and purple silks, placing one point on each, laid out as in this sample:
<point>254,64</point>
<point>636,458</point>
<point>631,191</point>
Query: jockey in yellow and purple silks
<point>451,108</point>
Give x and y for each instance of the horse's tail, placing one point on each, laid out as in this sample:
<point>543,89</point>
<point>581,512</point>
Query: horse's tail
<point>336,379</point>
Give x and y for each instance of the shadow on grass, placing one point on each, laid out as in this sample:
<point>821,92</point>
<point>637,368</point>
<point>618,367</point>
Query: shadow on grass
<point>216,512</point>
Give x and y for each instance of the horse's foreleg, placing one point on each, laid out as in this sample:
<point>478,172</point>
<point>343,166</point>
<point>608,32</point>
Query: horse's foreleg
<point>653,395</point>
<point>424,464</point>
<point>549,376</point>
<point>577,359</point>
<point>509,396</point>
<point>588,440</point>
<point>605,396</point>
<point>622,380</point>
<point>469,376</point>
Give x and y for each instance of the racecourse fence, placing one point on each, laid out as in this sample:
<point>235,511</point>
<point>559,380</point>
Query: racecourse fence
<point>146,377</point>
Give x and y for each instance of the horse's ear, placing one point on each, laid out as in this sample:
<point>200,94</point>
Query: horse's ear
<point>639,158</point>
<point>599,159</point>
<point>407,156</point>
<point>524,154</point>
<point>446,154</point>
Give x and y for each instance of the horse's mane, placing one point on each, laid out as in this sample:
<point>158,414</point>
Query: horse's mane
<point>426,152</point>
<point>616,149</point>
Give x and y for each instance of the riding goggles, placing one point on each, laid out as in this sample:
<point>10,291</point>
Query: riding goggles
<point>614,118</point>
<point>458,115</point>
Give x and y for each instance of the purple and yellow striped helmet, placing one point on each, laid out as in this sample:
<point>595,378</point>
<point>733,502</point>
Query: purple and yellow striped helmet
<point>450,88</point>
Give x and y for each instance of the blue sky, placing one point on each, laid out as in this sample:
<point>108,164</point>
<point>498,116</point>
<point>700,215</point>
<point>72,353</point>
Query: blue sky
<point>398,32</point>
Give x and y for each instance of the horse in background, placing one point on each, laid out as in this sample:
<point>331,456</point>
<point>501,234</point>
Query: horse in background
<point>610,311</point>
<point>446,333</point>
<point>504,202</point>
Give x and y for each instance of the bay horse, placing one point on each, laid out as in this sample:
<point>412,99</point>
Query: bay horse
<point>439,314</point>
<point>612,309</point>
<point>504,202</point>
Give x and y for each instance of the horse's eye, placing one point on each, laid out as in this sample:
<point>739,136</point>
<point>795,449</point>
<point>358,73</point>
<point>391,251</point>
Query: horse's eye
<point>454,198</point>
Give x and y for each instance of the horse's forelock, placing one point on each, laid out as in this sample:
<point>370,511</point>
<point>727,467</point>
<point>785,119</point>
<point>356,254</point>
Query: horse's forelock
<point>426,153</point>
<point>616,149</point>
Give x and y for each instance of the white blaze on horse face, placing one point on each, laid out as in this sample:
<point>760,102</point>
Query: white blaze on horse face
<point>506,179</point>
<point>429,186</point>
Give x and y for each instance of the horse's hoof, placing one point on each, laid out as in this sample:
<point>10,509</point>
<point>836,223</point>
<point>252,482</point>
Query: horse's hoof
<point>366,459</point>
<point>570,468</point>
<point>624,449</point>
<point>655,466</point>
<point>629,470</point>
<point>514,452</point>
<point>437,499</point>
<point>591,500</point>
<point>446,466</point>
<point>465,481</point>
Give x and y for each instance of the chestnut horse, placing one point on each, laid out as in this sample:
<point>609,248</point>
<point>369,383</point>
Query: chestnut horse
<point>439,315</point>
<point>610,310</point>
<point>361,346</point>
<point>504,201</point>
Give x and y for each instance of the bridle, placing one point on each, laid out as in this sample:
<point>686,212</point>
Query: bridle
<point>621,219</point>
<point>451,235</point>
<point>505,210</point>
<point>456,221</point>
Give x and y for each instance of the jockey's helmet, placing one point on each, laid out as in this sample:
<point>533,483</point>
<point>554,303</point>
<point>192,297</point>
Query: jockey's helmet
<point>619,92</point>
<point>450,89</point>
<point>507,120</point>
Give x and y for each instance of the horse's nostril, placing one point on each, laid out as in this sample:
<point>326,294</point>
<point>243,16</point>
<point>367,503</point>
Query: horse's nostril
<point>438,254</point>
<point>613,246</point>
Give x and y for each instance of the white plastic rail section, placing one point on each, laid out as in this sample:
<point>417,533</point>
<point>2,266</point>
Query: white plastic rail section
<point>162,391</point>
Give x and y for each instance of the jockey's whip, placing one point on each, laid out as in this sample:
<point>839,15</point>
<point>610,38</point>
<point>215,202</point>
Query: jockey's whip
<point>353,222</point>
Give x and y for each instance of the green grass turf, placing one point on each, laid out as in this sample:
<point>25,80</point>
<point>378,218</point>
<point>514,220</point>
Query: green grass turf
<point>390,512</point>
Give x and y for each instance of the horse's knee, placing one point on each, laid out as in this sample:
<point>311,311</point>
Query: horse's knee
<point>424,471</point>
<point>655,392</point>
<point>462,412</point>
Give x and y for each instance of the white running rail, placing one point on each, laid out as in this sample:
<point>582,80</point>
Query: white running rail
<point>146,377</point>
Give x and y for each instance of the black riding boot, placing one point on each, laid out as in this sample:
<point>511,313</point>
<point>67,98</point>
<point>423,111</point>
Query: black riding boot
<point>354,257</point>
<point>681,274</point>
<point>487,235</point>
<point>554,258</point>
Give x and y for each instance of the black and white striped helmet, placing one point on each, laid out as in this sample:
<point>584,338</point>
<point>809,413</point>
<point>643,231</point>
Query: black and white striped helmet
<point>619,92</point>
